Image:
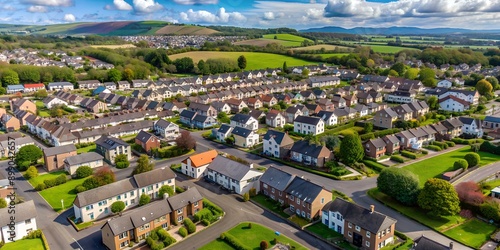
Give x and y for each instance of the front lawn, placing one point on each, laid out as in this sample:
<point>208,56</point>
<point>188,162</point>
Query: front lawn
<point>39,179</point>
<point>26,244</point>
<point>298,220</point>
<point>473,233</point>
<point>87,149</point>
<point>217,244</point>
<point>323,231</point>
<point>270,204</point>
<point>43,113</point>
<point>435,166</point>
<point>64,192</point>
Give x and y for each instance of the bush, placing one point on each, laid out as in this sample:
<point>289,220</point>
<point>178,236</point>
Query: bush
<point>117,206</point>
<point>61,179</point>
<point>32,172</point>
<point>83,171</point>
<point>214,208</point>
<point>408,154</point>
<point>253,192</point>
<point>472,159</point>
<point>246,196</point>
<point>90,183</point>
<point>205,222</point>
<point>234,242</point>
<point>487,146</point>
<point>80,189</point>
<point>205,213</point>
<point>144,199</point>
<point>191,227</point>
<point>424,152</point>
<point>397,158</point>
<point>50,183</point>
<point>450,143</point>
<point>263,245</point>
<point>491,210</point>
<point>40,187</point>
<point>374,165</point>
<point>179,190</point>
<point>460,164</point>
<point>433,148</point>
<point>183,232</point>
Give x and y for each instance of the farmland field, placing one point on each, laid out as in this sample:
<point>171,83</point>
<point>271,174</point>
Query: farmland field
<point>290,40</point>
<point>255,60</point>
<point>118,46</point>
<point>319,46</point>
<point>184,30</point>
<point>328,55</point>
<point>261,42</point>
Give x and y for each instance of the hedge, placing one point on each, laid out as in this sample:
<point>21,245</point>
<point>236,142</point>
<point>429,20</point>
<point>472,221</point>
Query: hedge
<point>460,164</point>
<point>408,154</point>
<point>339,128</point>
<point>214,208</point>
<point>473,159</point>
<point>450,143</point>
<point>397,158</point>
<point>183,232</point>
<point>434,148</point>
<point>487,146</point>
<point>374,165</point>
<point>466,141</point>
<point>424,152</point>
<point>191,227</point>
<point>234,242</point>
<point>169,152</point>
<point>442,145</point>
<point>205,222</point>
<point>61,179</point>
<point>379,133</point>
<point>205,213</point>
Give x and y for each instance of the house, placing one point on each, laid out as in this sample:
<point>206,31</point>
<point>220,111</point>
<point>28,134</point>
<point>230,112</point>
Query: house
<point>310,154</point>
<point>236,105</point>
<point>147,141</point>
<point>166,129</point>
<point>274,182</point>
<point>17,226</point>
<point>99,90</point>
<point>277,144</point>
<point>339,101</point>
<point>22,104</point>
<point>328,117</point>
<point>491,122</point>
<point>444,84</point>
<point>453,103</point>
<point>401,96</point>
<point>119,232</point>
<point>375,148</point>
<point>471,97</point>
<point>275,119</point>
<point>53,86</point>
<point>385,118</point>
<point>408,140</point>
<point>364,228</point>
<point>453,128</point>
<point>221,107</point>
<point>257,114</point>
<point>90,159</point>
<point>472,127</point>
<point>254,103</point>
<point>11,89</point>
<point>292,112</point>
<point>110,147</point>
<point>268,100</point>
<point>95,204</point>
<point>424,243</point>
<point>54,157</point>
<point>391,144</point>
<point>306,199</point>
<point>223,132</point>
<point>325,104</point>
<point>89,84</point>
<point>51,101</point>
<point>33,87</point>
<point>123,85</point>
<point>308,125</point>
<point>313,108</point>
<point>244,121</point>
<point>192,119</point>
<point>203,109</point>
<point>195,166</point>
<point>233,175</point>
<point>9,123</point>
<point>244,137</point>
<point>140,83</point>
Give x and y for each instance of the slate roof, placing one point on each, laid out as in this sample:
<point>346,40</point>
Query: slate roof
<point>241,118</point>
<point>424,243</point>
<point>305,148</point>
<point>280,138</point>
<point>188,114</point>
<point>276,178</point>
<point>494,119</point>
<point>104,192</point>
<point>243,132</point>
<point>24,211</point>
<point>153,176</point>
<point>307,120</point>
<point>378,142</point>
<point>83,158</point>
<point>452,123</point>
<point>224,128</point>
<point>144,136</point>
<point>325,115</point>
<point>255,113</point>
<point>304,190</point>
<point>185,198</point>
<point>360,216</point>
<point>59,150</point>
<point>229,168</point>
<point>390,138</point>
<point>109,142</point>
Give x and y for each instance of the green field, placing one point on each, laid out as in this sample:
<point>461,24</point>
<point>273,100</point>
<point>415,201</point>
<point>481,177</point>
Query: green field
<point>289,39</point>
<point>255,60</point>
<point>251,237</point>
<point>64,192</point>
<point>90,148</point>
<point>387,49</point>
<point>40,178</point>
<point>26,244</point>
<point>463,233</point>
<point>322,46</point>
<point>435,166</point>
<point>328,55</point>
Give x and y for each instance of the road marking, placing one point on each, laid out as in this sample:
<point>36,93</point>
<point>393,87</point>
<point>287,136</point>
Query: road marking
<point>78,244</point>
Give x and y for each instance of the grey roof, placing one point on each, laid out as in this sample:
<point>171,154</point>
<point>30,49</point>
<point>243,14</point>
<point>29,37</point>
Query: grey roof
<point>424,243</point>
<point>24,211</point>
<point>163,123</point>
<point>494,119</point>
<point>452,123</point>
<point>104,192</point>
<point>276,178</point>
<point>470,120</point>
<point>188,114</point>
<point>305,148</point>
<point>59,150</point>
<point>438,127</point>
<point>201,118</point>
<point>255,113</point>
<point>51,84</point>
<point>144,136</point>
<point>243,132</point>
<point>360,216</point>
<point>109,142</point>
<point>390,138</point>
<point>280,138</point>
<point>241,118</point>
<point>378,142</point>
<point>304,190</point>
<point>307,119</point>
<point>224,128</point>
<point>153,176</point>
<point>181,200</point>
<point>229,168</point>
<point>418,132</point>
<point>83,158</point>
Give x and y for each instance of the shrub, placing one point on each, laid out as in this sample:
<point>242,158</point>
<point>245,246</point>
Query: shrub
<point>61,179</point>
<point>205,222</point>
<point>191,227</point>
<point>166,189</point>
<point>408,154</point>
<point>253,192</point>
<point>90,183</point>
<point>32,172</point>
<point>222,236</point>
<point>470,193</point>
<point>472,159</point>
<point>144,199</point>
<point>460,164</point>
<point>424,152</point>
<point>234,242</point>
<point>40,187</point>
<point>246,197</point>
<point>117,206</point>
<point>214,208</point>
<point>491,210</point>
<point>374,165</point>
<point>183,232</point>
<point>433,148</point>
<point>205,213</point>
<point>179,189</point>
<point>263,245</point>
<point>50,183</point>
<point>450,143</point>
<point>83,171</point>
<point>487,146</point>
<point>397,158</point>
<point>80,189</point>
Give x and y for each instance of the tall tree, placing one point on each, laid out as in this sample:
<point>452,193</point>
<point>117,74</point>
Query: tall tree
<point>242,62</point>
<point>10,77</point>
<point>143,165</point>
<point>400,184</point>
<point>412,73</point>
<point>285,67</point>
<point>439,197</point>
<point>185,141</point>
<point>484,87</point>
<point>432,101</point>
<point>114,75</point>
<point>27,155</point>
<point>128,74</point>
<point>399,67</point>
<point>351,149</point>
<point>184,65</point>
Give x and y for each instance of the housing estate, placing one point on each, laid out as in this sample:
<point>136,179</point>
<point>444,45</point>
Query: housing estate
<point>232,175</point>
<point>195,166</point>
<point>277,144</point>
<point>110,147</point>
<point>308,125</point>
<point>90,159</point>
<point>306,199</point>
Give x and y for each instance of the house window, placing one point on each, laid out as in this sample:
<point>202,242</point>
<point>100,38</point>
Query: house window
<point>349,225</point>
<point>180,218</point>
<point>272,190</point>
<point>291,197</point>
<point>322,200</point>
<point>358,228</point>
<point>195,203</point>
<point>123,235</point>
<point>124,244</point>
<point>368,234</point>
<point>349,233</point>
<point>28,221</point>
<point>179,211</point>
<point>131,193</point>
<point>367,244</point>
<point>298,202</point>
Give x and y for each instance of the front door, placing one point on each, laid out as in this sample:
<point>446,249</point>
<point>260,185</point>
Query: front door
<point>357,240</point>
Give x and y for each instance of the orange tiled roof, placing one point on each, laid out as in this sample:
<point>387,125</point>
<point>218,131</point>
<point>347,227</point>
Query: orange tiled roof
<point>204,158</point>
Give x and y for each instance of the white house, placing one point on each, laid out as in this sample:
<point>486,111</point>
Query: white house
<point>453,103</point>
<point>60,86</point>
<point>472,126</point>
<point>466,95</point>
<point>195,166</point>
<point>308,125</point>
<point>233,175</point>
<point>223,132</point>
<point>444,84</point>
<point>244,121</point>
<point>275,119</point>
<point>328,117</point>
<point>91,159</point>
<point>24,221</point>
<point>244,137</point>
<point>51,101</point>
<point>276,144</point>
<point>166,129</point>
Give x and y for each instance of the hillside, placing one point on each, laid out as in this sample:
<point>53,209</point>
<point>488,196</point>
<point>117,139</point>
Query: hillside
<point>184,30</point>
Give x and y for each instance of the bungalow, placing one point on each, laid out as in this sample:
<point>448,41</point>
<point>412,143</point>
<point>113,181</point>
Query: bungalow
<point>11,89</point>
<point>244,137</point>
<point>274,182</point>
<point>147,141</point>
<point>166,129</point>
<point>375,148</point>
<point>233,175</point>
<point>275,119</point>
<point>308,125</point>
<point>306,199</point>
<point>52,86</point>
<point>90,159</point>
<point>472,127</point>
<point>244,121</point>
<point>195,166</point>
<point>33,87</point>
<point>310,154</point>
<point>277,144</point>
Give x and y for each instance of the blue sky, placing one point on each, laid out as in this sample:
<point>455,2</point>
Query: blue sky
<point>473,14</point>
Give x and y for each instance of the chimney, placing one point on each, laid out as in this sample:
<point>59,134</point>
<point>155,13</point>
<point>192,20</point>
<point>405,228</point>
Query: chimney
<point>251,165</point>
<point>372,208</point>
<point>165,196</point>
<point>451,245</point>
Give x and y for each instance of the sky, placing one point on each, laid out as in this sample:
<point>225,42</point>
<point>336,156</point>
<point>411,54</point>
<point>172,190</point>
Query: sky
<point>299,14</point>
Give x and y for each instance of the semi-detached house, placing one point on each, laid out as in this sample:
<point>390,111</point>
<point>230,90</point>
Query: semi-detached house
<point>308,125</point>
<point>233,175</point>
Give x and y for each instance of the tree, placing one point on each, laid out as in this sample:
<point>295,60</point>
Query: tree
<point>263,245</point>
<point>32,172</point>
<point>470,192</point>
<point>185,141</point>
<point>242,62</point>
<point>245,110</point>
<point>104,176</point>
<point>28,153</point>
<point>128,74</point>
<point>411,74</point>
<point>166,189</point>
<point>472,159</point>
<point>433,103</point>
<point>494,82</point>
<point>114,75</point>
<point>117,206</point>
<point>305,72</point>
<point>90,183</point>
<point>10,77</point>
<point>121,161</point>
<point>184,65</point>
<point>223,118</point>
<point>3,203</point>
<point>393,73</point>
<point>368,127</point>
<point>351,149</point>
<point>3,91</point>
<point>145,199</point>
<point>399,67</point>
<point>400,184</point>
<point>460,164</point>
<point>484,87</point>
<point>143,165</point>
<point>331,141</point>
<point>158,58</point>
<point>83,171</point>
<point>370,63</point>
<point>439,197</point>
<point>40,94</point>
<point>246,197</point>
<point>491,210</point>
<point>285,68</point>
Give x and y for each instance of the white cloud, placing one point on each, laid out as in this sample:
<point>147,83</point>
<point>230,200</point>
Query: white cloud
<point>204,16</point>
<point>146,6</point>
<point>7,7</point>
<point>69,18</point>
<point>268,15</point>
<point>193,2</point>
<point>54,3</point>
<point>118,5</point>
<point>37,9</point>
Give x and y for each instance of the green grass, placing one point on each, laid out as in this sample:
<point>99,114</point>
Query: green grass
<point>217,244</point>
<point>323,231</point>
<point>255,60</point>
<point>26,244</point>
<point>252,237</point>
<point>86,149</point>
<point>328,55</point>
<point>43,114</point>
<point>473,233</point>
<point>270,204</point>
<point>84,225</point>
<point>40,178</point>
<point>298,220</point>
<point>65,192</point>
<point>435,166</point>
<point>39,104</point>
<point>387,49</point>
<point>287,40</point>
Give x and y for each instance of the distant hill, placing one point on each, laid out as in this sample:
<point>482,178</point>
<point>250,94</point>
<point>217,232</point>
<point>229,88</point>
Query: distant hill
<point>185,30</point>
<point>396,31</point>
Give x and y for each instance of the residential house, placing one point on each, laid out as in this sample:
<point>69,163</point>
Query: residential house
<point>385,118</point>
<point>11,89</point>
<point>195,166</point>
<point>310,154</point>
<point>236,105</point>
<point>424,243</point>
<point>472,127</point>
<point>274,182</point>
<point>89,84</point>
<point>54,157</point>
<point>221,107</point>
<point>110,85</point>
<point>166,129</point>
<point>339,101</point>
<point>140,83</point>
<point>292,112</point>
<point>147,141</point>
<point>401,96</point>
<point>392,144</point>
<point>275,119</point>
<point>257,114</point>
<point>222,132</point>
<point>453,103</point>
<point>203,109</point>
<point>326,104</point>
<point>364,228</point>
<point>15,227</point>
<point>54,86</point>
<point>308,125</point>
<point>123,85</point>
<point>52,101</point>
<point>233,175</point>
<point>471,97</point>
<point>375,148</point>
<point>244,137</point>
<point>328,117</point>
<point>96,106</point>
<point>444,84</point>
<point>453,128</point>
<point>491,122</point>
<point>306,199</point>
<point>351,100</point>
<point>90,159</point>
<point>277,144</point>
<point>110,147</point>
<point>245,121</point>
<point>22,104</point>
<point>254,103</point>
<point>9,123</point>
<point>33,87</point>
<point>268,100</point>
<point>192,119</point>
